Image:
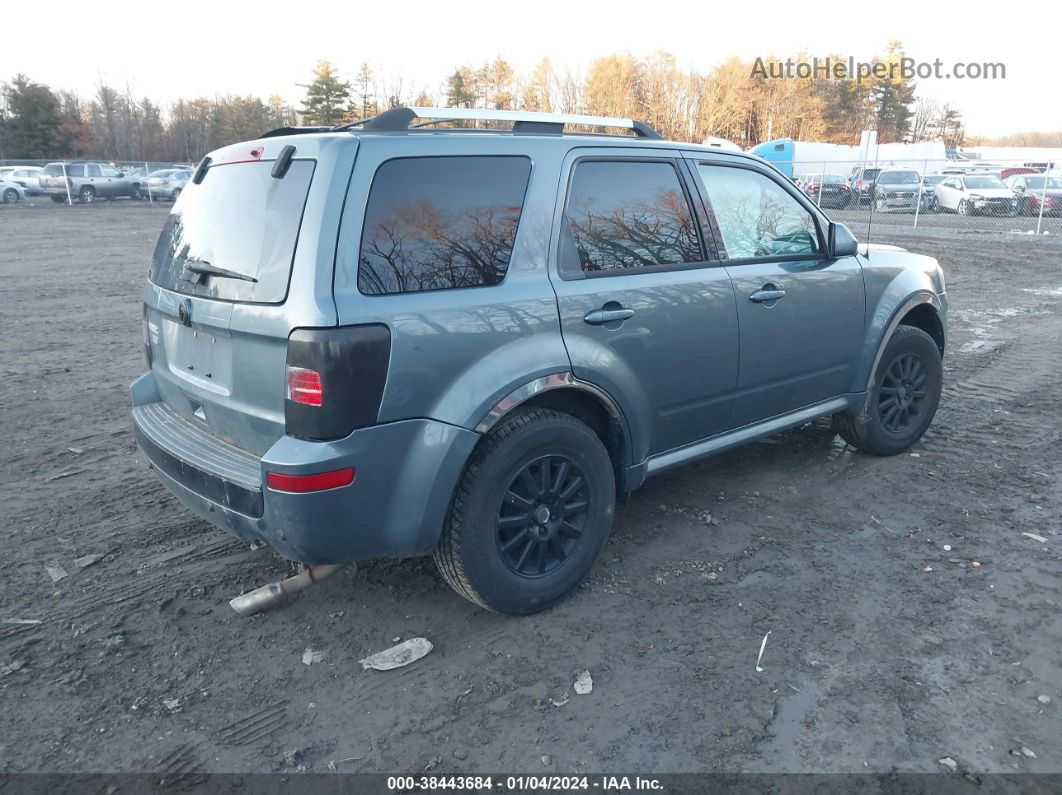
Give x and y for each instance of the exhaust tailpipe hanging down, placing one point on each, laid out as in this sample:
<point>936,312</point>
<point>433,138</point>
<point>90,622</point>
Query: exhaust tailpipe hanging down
<point>274,593</point>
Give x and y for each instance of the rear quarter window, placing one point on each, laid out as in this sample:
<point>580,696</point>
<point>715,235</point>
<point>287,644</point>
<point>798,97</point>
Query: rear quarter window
<point>440,223</point>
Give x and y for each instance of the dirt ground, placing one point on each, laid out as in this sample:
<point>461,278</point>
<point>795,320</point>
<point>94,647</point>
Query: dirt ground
<point>888,649</point>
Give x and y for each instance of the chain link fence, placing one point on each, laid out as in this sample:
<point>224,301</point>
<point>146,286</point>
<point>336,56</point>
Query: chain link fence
<point>943,197</point>
<point>87,181</point>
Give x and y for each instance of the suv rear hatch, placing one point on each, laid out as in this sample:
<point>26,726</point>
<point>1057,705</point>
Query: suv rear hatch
<point>215,325</point>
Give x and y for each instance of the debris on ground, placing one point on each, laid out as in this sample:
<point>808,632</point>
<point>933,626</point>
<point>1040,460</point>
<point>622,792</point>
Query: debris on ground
<point>547,760</point>
<point>64,474</point>
<point>312,655</point>
<point>11,667</point>
<point>975,564</point>
<point>763,645</point>
<point>1027,752</point>
<point>403,654</point>
<point>23,621</point>
<point>1044,699</point>
<point>563,699</point>
<point>88,560</point>
<point>584,683</point>
<point>947,547</point>
<point>460,754</point>
<point>172,704</point>
<point>1035,537</point>
<point>55,571</point>
<point>949,763</point>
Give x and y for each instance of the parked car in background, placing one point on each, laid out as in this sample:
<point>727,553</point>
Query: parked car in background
<point>11,191</point>
<point>341,365</point>
<point>897,189</point>
<point>1007,173</point>
<point>1031,192</point>
<point>930,202</point>
<point>166,183</point>
<point>861,181</point>
<point>87,182</point>
<point>829,190</point>
<point>971,194</point>
<point>26,176</point>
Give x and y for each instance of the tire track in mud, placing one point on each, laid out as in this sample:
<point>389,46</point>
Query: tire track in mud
<point>981,414</point>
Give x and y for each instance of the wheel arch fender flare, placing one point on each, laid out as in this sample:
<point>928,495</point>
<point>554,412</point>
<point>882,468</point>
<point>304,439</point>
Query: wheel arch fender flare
<point>885,321</point>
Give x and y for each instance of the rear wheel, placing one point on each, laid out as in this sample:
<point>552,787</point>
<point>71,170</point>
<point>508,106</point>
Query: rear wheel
<point>902,399</point>
<point>531,514</point>
<point>87,195</point>
<point>964,207</point>
<point>58,199</point>
<point>10,195</point>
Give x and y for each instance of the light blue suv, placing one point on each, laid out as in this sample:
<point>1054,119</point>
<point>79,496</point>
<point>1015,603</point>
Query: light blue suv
<point>399,338</point>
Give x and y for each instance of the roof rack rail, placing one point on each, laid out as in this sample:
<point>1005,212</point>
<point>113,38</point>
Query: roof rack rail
<point>398,119</point>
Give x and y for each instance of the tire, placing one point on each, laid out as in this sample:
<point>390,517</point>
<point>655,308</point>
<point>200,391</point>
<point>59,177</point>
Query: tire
<point>505,545</point>
<point>58,199</point>
<point>879,205</point>
<point>86,195</point>
<point>964,208</point>
<point>10,196</point>
<point>176,193</point>
<point>873,428</point>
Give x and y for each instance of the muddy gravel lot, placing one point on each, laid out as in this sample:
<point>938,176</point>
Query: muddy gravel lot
<point>912,602</point>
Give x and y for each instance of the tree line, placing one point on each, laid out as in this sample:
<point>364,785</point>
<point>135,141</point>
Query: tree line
<point>730,101</point>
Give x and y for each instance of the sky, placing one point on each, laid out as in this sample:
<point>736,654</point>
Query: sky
<point>194,48</point>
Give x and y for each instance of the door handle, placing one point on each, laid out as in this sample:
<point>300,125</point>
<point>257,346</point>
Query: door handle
<point>598,317</point>
<point>768,294</point>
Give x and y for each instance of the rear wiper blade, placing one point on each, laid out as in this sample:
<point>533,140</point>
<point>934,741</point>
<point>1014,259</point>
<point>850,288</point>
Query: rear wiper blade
<point>206,269</point>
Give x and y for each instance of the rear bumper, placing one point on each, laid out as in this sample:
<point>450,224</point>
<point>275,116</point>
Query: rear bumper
<point>406,473</point>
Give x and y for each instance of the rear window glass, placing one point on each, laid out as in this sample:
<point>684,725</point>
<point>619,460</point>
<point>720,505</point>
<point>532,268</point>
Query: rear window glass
<point>437,223</point>
<point>75,171</point>
<point>53,170</point>
<point>240,220</point>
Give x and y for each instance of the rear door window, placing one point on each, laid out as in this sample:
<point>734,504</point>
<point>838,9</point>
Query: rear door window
<point>625,215</point>
<point>240,220</point>
<point>75,170</point>
<point>439,223</point>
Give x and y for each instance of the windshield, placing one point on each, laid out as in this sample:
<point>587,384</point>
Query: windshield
<point>899,178</point>
<point>984,182</point>
<point>1037,183</point>
<point>240,220</point>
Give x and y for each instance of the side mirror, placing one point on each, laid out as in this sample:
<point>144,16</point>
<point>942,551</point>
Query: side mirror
<point>842,243</point>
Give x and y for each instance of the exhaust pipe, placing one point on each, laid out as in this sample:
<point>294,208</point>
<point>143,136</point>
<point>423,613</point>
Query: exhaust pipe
<point>271,595</point>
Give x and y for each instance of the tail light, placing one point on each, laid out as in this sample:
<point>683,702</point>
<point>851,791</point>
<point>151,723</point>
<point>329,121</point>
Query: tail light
<point>335,379</point>
<point>304,386</point>
<point>843,187</point>
<point>859,184</point>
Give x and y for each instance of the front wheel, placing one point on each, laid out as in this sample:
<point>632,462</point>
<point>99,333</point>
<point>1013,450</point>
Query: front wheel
<point>87,195</point>
<point>902,399</point>
<point>10,195</point>
<point>531,514</point>
<point>964,208</point>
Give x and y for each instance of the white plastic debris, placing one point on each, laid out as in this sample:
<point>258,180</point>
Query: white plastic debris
<point>949,763</point>
<point>55,571</point>
<point>763,645</point>
<point>584,683</point>
<point>947,547</point>
<point>1027,752</point>
<point>403,654</point>
<point>1044,699</point>
<point>172,704</point>
<point>561,701</point>
<point>88,560</point>
<point>1035,537</point>
<point>312,655</point>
